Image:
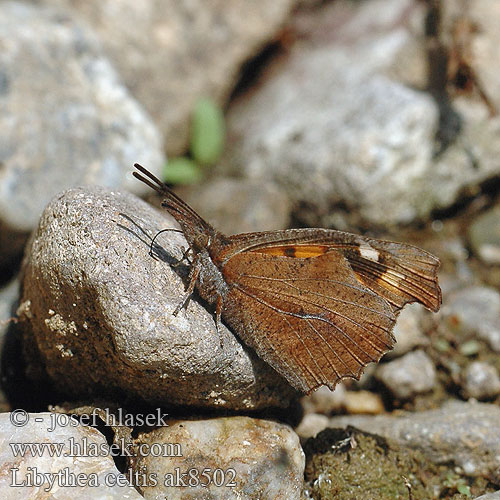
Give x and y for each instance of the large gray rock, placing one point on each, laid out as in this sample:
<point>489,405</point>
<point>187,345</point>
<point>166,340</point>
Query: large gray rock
<point>332,127</point>
<point>170,53</point>
<point>66,119</point>
<point>97,310</point>
<point>53,472</point>
<point>337,126</point>
<point>467,434</point>
<point>236,457</point>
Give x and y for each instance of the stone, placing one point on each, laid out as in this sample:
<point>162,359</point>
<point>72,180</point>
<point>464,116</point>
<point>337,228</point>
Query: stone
<point>408,376</point>
<point>66,118</point>
<point>364,137</point>
<point>239,205</point>
<point>483,38</point>
<point>311,424</point>
<point>324,400</point>
<point>471,156</point>
<point>70,444</point>
<point>475,310</point>
<point>466,434</point>
<point>171,53</point>
<point>259,458</point>
<point>9,296</point>
<point>490,496</point>
<point>96,311</point>
<point>357,402</point>
<point>408,331</point>
<point>481,381</point>
<point>361,139</point>
<point>484,236</point>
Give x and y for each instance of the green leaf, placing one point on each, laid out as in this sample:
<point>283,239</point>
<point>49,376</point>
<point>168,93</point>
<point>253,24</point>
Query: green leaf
<point>207,132</point>
<point>442,345</point>
<point>182,171</point>
<point>464,490</point>
<point>470,348</point>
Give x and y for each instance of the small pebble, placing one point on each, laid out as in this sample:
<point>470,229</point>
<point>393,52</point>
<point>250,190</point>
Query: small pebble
<point>481,381</point>
<point>324,400</point>
<point>311,424</point>
<point>408,331</point>
<point>408,376</point>
<point>475,310</point>
<point>358,402</point>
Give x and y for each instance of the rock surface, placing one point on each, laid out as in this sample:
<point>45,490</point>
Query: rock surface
<point>311,424</point>
<point>98,476</point>
<point>363,135</point>
<point>171,53</point>
<point>262,458</point>
<point>97,310</point>
<point>490,496</point>
<point>467,434</point>
<point>481,381</point>
<point>408,331</point>
<point>9,295</point>
<point>408,376</point>
<point>66,118</point>
<point>359,137</point>
<point>324,400</point>
<point>484,236</point>
<point>475,310</point>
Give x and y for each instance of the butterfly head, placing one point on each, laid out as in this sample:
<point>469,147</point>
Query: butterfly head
<point>197,231</point>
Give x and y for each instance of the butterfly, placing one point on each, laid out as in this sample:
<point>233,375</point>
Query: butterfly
<point>317,305</point>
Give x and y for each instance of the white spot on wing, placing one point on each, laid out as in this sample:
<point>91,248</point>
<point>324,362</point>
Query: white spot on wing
<point>368,252</point>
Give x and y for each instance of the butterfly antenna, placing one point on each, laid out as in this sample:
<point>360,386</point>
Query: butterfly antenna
<point>174,202</point>
<point>157,185</point>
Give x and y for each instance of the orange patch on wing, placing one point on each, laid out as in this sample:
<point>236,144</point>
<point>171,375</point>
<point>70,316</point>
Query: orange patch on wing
<point>296,251</point>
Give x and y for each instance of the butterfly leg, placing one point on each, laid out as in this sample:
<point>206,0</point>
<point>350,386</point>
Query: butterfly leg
<point>185,255</point>
<point>193,277</point>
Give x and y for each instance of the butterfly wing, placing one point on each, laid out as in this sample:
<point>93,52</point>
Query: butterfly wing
<point>319,305</point>
<point>310,319</point>
<point>398,272</point>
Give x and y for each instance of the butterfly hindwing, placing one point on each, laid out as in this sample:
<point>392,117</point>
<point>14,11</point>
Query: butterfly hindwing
<point>309,318</point>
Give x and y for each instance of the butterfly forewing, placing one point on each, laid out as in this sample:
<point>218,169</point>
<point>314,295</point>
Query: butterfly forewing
<point>398,272</point>
<point>309,318</point>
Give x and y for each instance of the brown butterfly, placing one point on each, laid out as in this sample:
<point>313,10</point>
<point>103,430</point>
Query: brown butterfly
<point>318,305</point>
